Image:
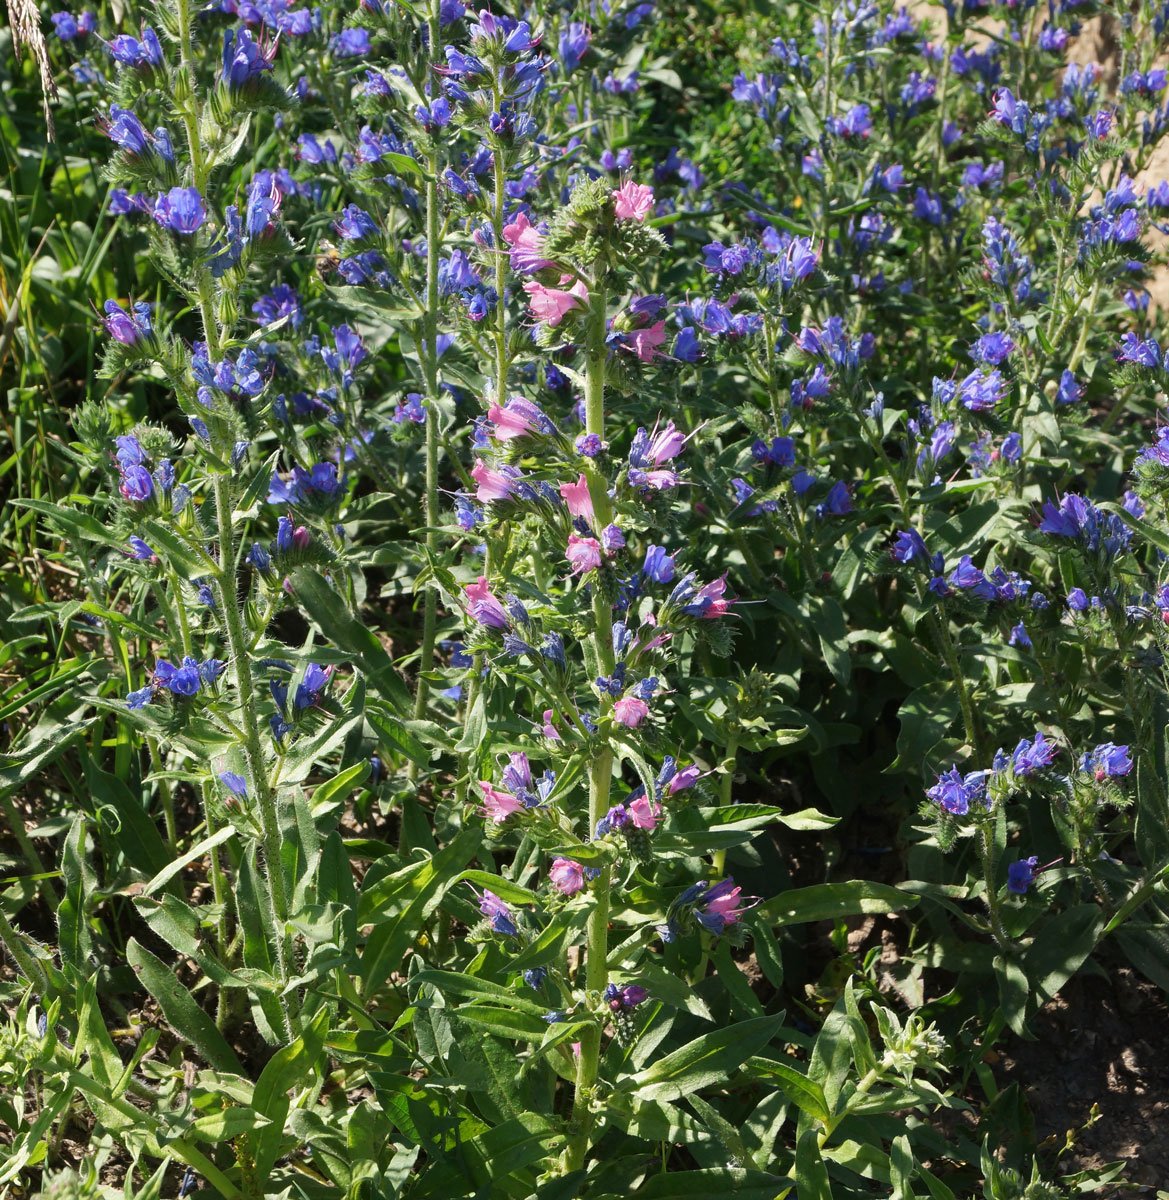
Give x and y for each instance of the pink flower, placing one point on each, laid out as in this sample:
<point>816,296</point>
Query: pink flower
<point>646,341</point>
<point>710,600</point>
<point>630,711</point>
<point>567,877</point>
<point>633,201</point>
<point>526,243</point>
<point>643,814</point>
<point>498,805</point>
<point>517,418</point>
<point>583,553</point>
<point>548,729</point>
<point>577,497</point>
<point>685,778</point>
<point>550,305</point>
<point>493,485</point>
<point>658,480</point>
<point>483,606</point>
<point>667,444</point>
<point>722,907</point>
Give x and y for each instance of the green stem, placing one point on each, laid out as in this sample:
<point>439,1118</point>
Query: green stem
<point>32,970</point>
<point>950,652</point>
<point>986,853</point>
<point>430,367</point>
<point>225,576</point>
<point>239,651</point>
<point>601,767</point>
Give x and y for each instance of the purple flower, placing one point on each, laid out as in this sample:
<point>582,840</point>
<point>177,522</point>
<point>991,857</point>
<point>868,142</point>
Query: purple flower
<point>1108,760</point>
<point>280,303</point>
<point>352,43</point>
<point>968,577</point>
<point>309,690</point>
<point>992,348</point>
<point>492,907</point>
<point>1019,636</point>
<point>181,210</point>
<point>237,785</point>
<point>954,792</point>
<point>125,130</point>
<point>979,392</point>
<point>1143,354</point>
<point>1030,756</point>
<point>909,546</point>
<point>1069,391</point>
<point>244,61</point>
<point>1021,874</point>
<point>720,906</point>
<point>927,206</point>
<point>574,44</point>
<point>183,680</point>
<point>137,484</point>
<point>125,327</point>
<point>263,204</point>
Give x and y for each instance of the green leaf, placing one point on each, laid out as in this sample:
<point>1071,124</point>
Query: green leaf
<point>707,1060</point>
<point>455,983</point>
<point>714,1183</point>
<point>402,902</point>
<point>806,1094</point>
<point>291,1066</point>
<point>926,715</point>
<point>403,162</point>
<point>811,1173</point>
<point>75,940</point>
<point>504,1022</point>
<point>828,619</point>
<point>227,1124</point>
<point>183,1015</point>
<point>137,837</point>
<point>1013,988</point>
<point>1061,948</point>
<point>74,524</point>
<point>395,736</point>
<point>334,791</point>
<point>831,901</point>
<point>177,552</point>
<point>196,851</point>
<point>328,610</point>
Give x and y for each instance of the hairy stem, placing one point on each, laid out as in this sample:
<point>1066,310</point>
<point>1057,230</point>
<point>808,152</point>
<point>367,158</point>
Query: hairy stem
<point>601,767</point>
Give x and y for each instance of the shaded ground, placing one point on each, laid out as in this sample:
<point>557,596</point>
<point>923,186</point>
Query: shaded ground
<point>1100,1042</point>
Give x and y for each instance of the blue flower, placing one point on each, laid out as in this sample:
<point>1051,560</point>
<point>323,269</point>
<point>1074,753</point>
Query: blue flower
<point>309,690</point>
<point>1030,756</point>
<point>243,59</point>
<point>954,792</point>
<point>352,43</point>
<point>574,43</point>
<point>1108,760</point>
<point>236,784</point>
<point>1021,874</point>
<point>909,546</point>
<point>183,680</point>
<point>181,210</point>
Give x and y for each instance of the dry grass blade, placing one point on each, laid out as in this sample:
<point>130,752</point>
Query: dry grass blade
<point>25,19</point>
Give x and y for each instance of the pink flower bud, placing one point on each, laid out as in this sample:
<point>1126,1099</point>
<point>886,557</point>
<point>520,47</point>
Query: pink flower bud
<point>633,201</point>
<point>567,877</point>
<point>583,553</point>
<point>630,711</point>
